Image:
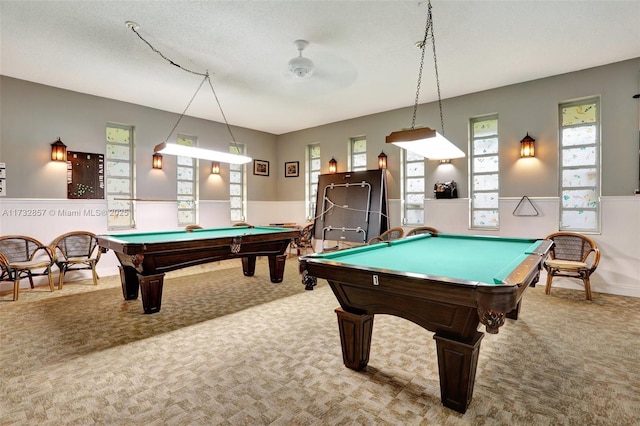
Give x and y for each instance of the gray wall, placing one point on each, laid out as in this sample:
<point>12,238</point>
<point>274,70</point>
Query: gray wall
<point>528,107</point>
<point>33,116</point>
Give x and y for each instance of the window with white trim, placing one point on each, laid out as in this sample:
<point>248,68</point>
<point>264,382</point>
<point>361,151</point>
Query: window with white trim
<point>358,154</point>
<point>579,164</point>
<point>484,173</point>
<point>237,187</point>
<point>187,188</point>
<point>314,169</point>
<point>119,176</point>
<point>413,188</point>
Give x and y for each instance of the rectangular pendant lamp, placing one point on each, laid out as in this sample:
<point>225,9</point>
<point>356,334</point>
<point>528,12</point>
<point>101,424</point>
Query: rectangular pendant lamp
<point>425,142</point>
<point>205,154</point>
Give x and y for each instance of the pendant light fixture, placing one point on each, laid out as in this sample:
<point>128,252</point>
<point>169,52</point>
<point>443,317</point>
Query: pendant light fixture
<point>188,151</point>
<point>423,140</point>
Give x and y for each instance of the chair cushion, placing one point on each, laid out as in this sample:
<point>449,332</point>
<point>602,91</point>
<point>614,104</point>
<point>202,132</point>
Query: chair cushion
<point>30,264</point>
<point>566,264</point>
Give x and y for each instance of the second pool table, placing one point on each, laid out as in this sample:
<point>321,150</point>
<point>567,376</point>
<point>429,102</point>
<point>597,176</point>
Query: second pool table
<point>447,284</point>
<point>145,257</point>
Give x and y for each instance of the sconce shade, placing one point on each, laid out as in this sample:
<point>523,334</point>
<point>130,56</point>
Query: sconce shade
<point>58,151</point>
<point>425,142</point>
<point>527,146</point>
<point>215,168</point>
<point>333,165</point>
<point>382,161</point>
<point>204,154</point>
<point>157,161</point>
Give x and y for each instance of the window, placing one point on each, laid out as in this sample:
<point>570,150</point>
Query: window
<point>579,165</point>
<point>413,188</point>
<point>313,173</point>
<point>358,157</point>
<point>119,176</point>
<point>187,184</point>
<point>237,188</point>
<point>484,173</point>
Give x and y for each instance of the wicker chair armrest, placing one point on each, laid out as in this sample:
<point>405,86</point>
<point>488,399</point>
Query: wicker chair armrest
<point>375,240</point>
<point>57,253</point>
<point>4,262</point>
<point>596,258</point>
<point>47,249</point>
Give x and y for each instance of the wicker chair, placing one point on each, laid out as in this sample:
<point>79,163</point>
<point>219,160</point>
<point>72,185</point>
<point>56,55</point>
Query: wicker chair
<point>573,255</point>
<point>304,242</point>
<point>422,230</point>
<point>190,228</point>
<point>74,251</point>
<point>24,257</point>
<point>388,235</point>
<point>242,224</point>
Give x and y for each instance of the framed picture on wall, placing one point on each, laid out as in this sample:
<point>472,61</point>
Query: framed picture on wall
<point>261,167</point>
<point>291,169</point>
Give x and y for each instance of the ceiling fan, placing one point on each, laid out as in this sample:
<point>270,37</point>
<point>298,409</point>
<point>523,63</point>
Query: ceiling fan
<point>300,66</point>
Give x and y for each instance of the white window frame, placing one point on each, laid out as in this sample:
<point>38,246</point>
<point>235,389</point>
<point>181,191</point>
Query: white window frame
<point>562,226</point>
<point>311,179</point>
<point>353,154</point>
<point>120,205</point>
<point>417,208</point>
<point>473,174</point>
<point>182,181</point>
<point>238,149</point>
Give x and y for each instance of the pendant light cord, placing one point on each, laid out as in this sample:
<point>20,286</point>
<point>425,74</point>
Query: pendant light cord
<point>206,76</point>
<point>185,110</point>
<point>134,29</point>
<point>428,32</point>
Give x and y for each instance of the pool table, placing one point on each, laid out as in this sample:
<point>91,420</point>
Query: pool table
<point>445,283</point>
<point>146,257</point>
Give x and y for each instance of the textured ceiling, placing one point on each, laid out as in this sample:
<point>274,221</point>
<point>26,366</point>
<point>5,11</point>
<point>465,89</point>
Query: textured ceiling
<point>364,51</point>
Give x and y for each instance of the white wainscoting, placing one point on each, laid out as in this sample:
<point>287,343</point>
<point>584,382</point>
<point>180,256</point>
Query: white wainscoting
<point>619,241</point>
<point>618,273</point>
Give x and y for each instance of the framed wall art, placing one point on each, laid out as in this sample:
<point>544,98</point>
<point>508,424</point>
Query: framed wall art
<point>292,169</point>
<point>261,167</point>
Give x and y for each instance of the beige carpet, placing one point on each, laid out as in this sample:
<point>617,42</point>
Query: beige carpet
<point>230,350</point>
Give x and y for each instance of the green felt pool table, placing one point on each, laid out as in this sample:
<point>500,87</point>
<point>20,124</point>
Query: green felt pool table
<point>146,257</point>
<point>445,283</point>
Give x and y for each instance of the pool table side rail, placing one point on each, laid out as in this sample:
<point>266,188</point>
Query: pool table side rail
<point>503,297</point>
<point>538,249</point>
<point>119,243</point>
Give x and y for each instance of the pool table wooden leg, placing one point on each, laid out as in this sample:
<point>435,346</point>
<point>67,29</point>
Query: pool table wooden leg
<point>355,336</point>
<point>129,282</point>
<point>249,265</point>
<point>276,267</point>
<point>151,289</point>
<point>457,364</point>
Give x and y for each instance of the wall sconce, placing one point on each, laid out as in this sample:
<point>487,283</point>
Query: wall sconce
<point>447,161</point>
<point>215,168</point>
<point>157,161</point>
<point>527,148</point>
<point>333,165</point>
<point>58,151</point>
<point>382,160</point>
